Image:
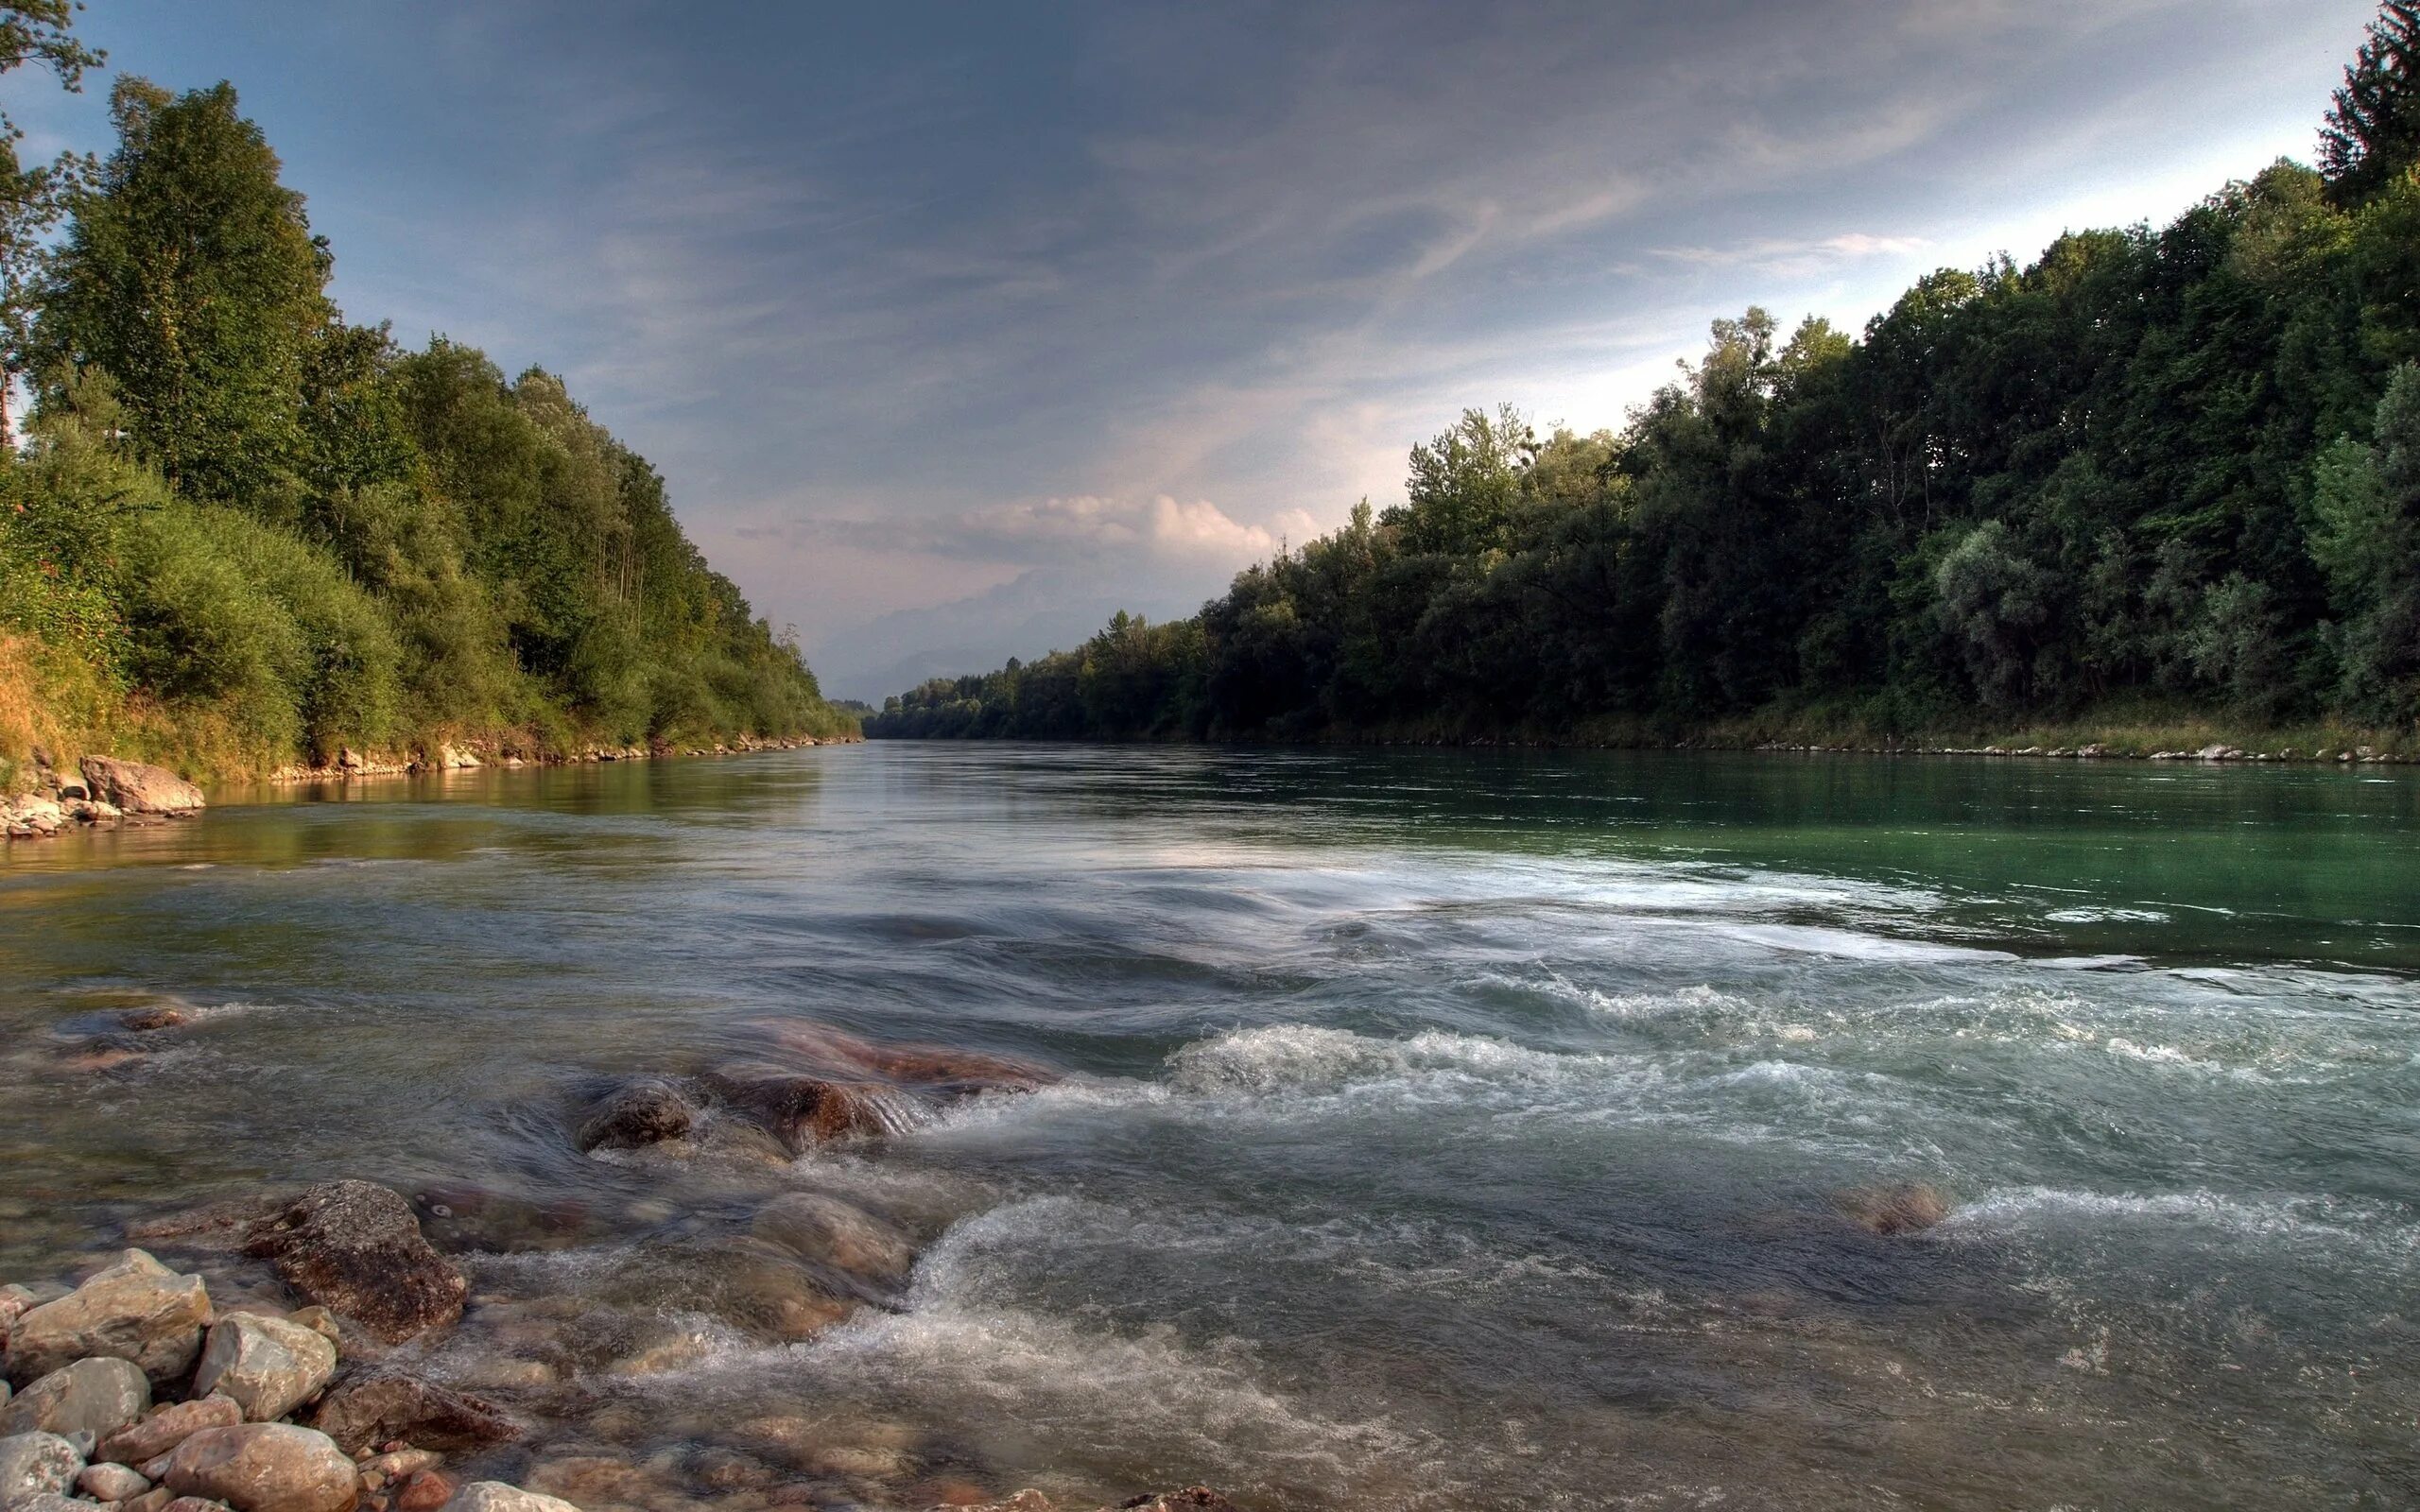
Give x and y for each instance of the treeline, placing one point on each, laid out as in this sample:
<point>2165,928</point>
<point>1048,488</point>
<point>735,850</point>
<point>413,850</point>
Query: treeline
<point>2174,469</point>
<point>241,531</point>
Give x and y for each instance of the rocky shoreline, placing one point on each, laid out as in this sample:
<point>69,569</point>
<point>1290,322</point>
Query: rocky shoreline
<point>348,763</point>
<point>348,1348</point>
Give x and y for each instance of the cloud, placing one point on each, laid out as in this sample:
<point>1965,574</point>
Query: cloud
<point>1082,527</point>
<point>1794,257</point>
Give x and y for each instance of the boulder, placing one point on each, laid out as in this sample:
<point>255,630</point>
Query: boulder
<point>495,1495</point>
<point>1910,1206</point>
<point>138,788</point>
<point>264,1468</point>
<point>97,1396</point>
<point>269,1366</point>
<point>168,1426</point>
<point>643,1112</point>
<point>137,1310</point>
<point>827,1231</point>
<point>15,1301</point>
<point>31,1463</point>
<point>423,1491</point>
<point>355,1247</point>
<point>801,1111</point>
<point>110,1483</point>
<point>368,1411</point>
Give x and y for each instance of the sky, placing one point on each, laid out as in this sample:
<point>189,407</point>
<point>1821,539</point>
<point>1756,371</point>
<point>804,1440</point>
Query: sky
<point>953,328</point>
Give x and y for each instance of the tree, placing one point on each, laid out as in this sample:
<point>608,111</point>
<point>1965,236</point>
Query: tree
<point>2373,130</point>
<point>193,279</point>
<point>33,198</point>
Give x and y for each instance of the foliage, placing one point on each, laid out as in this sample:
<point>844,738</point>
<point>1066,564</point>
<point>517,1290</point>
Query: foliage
<point>2178,467</point>
<point>33,197</point>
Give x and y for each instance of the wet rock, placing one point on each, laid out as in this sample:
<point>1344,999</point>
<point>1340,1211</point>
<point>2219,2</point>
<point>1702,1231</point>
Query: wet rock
<point>264,1468</point>
<point>138,788</point>
<point>1909,1207</point>
<point>211,1226</point>
<point>16,1300</point>
<point>588,1480</point>
<point>831,1232</point>
<point>355,1247</point>
<point>110,1483</point>
<point>802,1112</point>
<point>467,1217</point>
<point>33,1463</point>
<point>269,1366</point>
<point>1192,1498</point>
<point>495,1495</point>
<point>1028,1500</point>
<point>423,1491</point>
<point>168,1426</point>
<point>137,1310</point>
<point>401,1463</point>
<point>192,1504</point>
<point>374,1409</point>
<point>940,1070</point>
<point>97,1396</point>
<point>641,1113</point>
<point>159,1016</point>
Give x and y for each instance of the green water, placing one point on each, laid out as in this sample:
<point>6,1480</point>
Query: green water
<point>1442,1129</point>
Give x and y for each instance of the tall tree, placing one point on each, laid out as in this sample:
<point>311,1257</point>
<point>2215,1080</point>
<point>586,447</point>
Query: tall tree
<point>192,280</point>
<point>2373,131</point>
<point>33,198</point>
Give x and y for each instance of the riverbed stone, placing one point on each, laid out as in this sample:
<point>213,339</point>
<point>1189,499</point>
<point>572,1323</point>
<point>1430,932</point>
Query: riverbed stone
<point>366,1411</point>
<point>1192,1498</point>
<point>269,1366</point>
<point>97,1396</point>
<point>16,1300</point>
<point>356,1248</point>
<point>644,1112</point>
<point>495,1495</point>
<point>137,1310</point>
<point>168,1426</point>
<point>33,1463</point>
<point>1902,1207</point>
<point>139,788</point>
<point>802,1112</point>
<point>829,1231</point>
<point>48,1501</point>
<point>423,1491</point>
<point>111,1482</point>
<point>264,1468</point>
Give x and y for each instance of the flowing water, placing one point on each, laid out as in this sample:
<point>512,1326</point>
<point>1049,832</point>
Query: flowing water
<point>1441,1130</point>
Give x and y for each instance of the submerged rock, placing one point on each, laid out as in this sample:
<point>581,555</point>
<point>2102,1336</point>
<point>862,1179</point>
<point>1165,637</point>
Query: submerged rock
<point>641,1113</point>
<point>137,1310</point>
<point>97,1396</point>
<point>1192,1498</point>
<point>160,1015</point>
<point>138,788</point>
<point>168,1426</point>
<point>356,1248</point>
<point>801,1111</point>
<point>31,1463</point>
<point>1907,1208</point>
<point>373,1410</point>
<point>840,1234</point>
<point>267,1365</point>
<point>264,1468</point>
<point>495,1495</point>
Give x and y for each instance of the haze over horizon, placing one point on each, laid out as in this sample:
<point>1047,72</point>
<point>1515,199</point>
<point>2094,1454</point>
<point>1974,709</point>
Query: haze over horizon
<point>952,330</point>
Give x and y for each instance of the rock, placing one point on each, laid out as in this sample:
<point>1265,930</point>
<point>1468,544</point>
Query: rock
<point>48,1501</point>
<point>644,1112</point>
<point>168,1426</point>
<point>269,1365</point>
<point>137,1310</point>
<point>110,1483</point>
<point>372,1410</point>
<point>31,815</point>
<point>154,1500</point>
<point>1908,1208</point>
<point>1028,1500</point>
<point>423,1491</point>
<point>807,1111</point>
<point>159,1016</point>
<point>31,1463</point>
<point>401,1463</point>
<point>264,1468</point>
<point>192,1504</point>
<point>494,1496</point>
<point>831,1232</point>
<point>97,1396</point>
<point>15,1301</point>
<point>355,1247</point>
<point>138,788</point>
<point>1192,1498</point>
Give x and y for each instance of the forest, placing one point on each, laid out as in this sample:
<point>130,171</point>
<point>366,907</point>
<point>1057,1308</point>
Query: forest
<point>2156,475</point>
<point>239,531</point>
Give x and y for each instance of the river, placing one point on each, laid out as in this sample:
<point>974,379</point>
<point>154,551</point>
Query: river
<point>1439,1129</point>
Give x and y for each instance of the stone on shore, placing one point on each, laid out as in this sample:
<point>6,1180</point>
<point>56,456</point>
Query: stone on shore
<point>31,1463</point>
<point>356,1248</point>
<point>495,1495</point>
<point>269,1366</point>
<point>137,1310</point>
<point>644,1112</point>
<point>138,788</point>
<point>367,1411</point>
<point>264,1468</point>
<point>168,1426</point>
<point>97,1396</point>
<point>109,1482</point>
